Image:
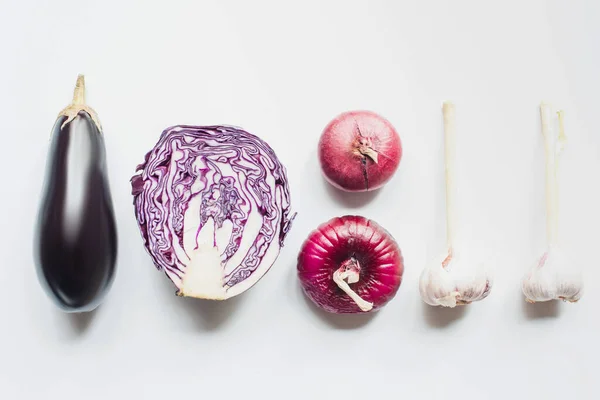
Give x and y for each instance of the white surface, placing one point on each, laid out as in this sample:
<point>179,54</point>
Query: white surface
<point>283,70</point>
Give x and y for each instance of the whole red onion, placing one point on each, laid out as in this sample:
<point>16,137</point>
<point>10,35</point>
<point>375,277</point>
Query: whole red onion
<point>350,264</point>
<point>359,151</point>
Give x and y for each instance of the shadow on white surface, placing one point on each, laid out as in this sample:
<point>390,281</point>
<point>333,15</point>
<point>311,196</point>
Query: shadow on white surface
<point>80,322</point>
<point>211,314</point>
<point>442,317</point>
<point>208,315</point>
<point>339,321</point>
<point>350,199</point>
<point>546,309</point>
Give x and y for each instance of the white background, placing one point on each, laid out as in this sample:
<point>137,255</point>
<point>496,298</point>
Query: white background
<point>282,70</point>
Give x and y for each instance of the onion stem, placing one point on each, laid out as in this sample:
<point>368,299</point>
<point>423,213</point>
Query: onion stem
<point>449,148</point>
<point>369,152</point>
<point>349,271</point>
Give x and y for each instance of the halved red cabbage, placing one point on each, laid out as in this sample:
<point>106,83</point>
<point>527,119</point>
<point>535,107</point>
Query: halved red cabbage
<point>213,207</point>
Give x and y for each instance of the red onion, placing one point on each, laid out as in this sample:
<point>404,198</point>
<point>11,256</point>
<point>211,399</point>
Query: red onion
<point>350,264</point>
<point>359,151</point>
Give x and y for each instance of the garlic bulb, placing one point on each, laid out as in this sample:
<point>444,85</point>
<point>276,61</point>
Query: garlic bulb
<point>553,277</point>
<point>452,280</point>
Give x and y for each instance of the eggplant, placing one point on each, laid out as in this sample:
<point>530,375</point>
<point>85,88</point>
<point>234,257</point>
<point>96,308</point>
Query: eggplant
<point>76,236</point>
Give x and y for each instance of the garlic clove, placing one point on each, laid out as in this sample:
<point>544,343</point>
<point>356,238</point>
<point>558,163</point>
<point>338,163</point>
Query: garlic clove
<point>553,278</point>
<point>450,281</point>
<point>437,287</point>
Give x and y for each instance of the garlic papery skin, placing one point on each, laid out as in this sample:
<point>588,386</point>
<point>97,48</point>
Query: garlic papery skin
<point>553,278</point>
<point>450,281</point>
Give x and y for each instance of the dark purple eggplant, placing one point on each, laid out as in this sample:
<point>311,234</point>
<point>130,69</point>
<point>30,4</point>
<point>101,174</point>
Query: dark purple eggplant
<point>76,237</point>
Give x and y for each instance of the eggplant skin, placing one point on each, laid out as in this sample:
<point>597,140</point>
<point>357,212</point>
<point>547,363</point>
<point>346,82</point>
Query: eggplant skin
<point>76,237</point>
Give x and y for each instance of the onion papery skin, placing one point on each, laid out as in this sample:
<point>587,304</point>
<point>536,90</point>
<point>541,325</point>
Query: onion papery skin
<point>337,240</point>
<point>344,166</point>
<point>217,195</point>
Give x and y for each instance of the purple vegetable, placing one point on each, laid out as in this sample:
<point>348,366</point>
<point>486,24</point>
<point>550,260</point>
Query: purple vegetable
<point>213,207</point>
<point>359,151</point>
<point>350,265</point>
<point>76,237</point>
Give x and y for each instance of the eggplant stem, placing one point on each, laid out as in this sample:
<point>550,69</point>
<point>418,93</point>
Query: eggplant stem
<point>448,110</point>
<point>349,271</point>
<point>78,104</point>
<point>553,144</point>
<point>79,92</point>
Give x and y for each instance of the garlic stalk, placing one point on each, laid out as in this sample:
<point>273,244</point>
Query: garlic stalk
<point>553,277</point>
<point>450,281</point>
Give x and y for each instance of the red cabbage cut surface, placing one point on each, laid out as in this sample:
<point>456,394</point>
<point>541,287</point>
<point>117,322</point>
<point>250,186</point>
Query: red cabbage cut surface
<point>213,207</point>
